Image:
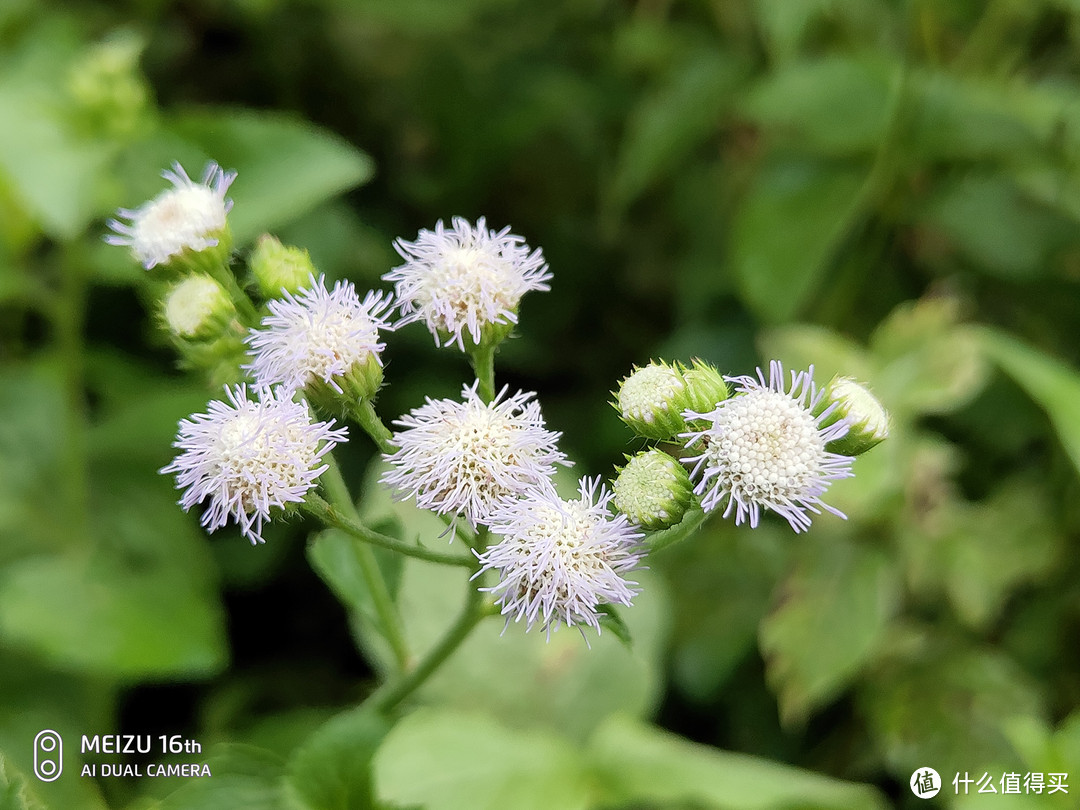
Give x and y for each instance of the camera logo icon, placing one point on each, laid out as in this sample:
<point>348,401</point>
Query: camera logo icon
<point>48,755</point>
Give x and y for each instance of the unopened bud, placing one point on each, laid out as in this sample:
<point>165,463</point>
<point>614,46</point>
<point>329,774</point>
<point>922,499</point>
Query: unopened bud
<point>653,490</point>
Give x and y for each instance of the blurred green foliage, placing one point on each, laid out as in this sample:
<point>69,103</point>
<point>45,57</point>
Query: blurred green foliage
<point>884,188</point>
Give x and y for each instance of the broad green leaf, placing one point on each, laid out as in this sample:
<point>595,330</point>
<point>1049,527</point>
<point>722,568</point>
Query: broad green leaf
<point>332,769</point>
<point>942,700</point>
<point>16,792</point>
<point>1000,230</point>
<point>286,167</point>
<point>640,765</point>
<point>927,361</point>
<point>242,778</point>
<point>830,623</point>
<point>1052,384</point>
<point>443,759</point>
<point>108,618</point>
<point>831,106</point>
<point>786,24</point>
<point>800,346</point>
<point>672,122</point>
<point>786,231</point>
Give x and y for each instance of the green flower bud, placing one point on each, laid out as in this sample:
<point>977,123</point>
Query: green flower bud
<point>647,400</point>
<point>277,267</point>
<point>868,421</point>
<point>653,490</point>
<point>705,388</point>
<point>197,308</point>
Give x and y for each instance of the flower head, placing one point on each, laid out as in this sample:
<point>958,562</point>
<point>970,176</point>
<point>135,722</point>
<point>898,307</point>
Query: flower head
<point>277,267</point>
<point>560,560</point>
<point>249,456</point>
<point>464,457</point>
<point>651,399</point>
<point>188,217</point>
<point>466,281</point>
<point>866,417</point>
<point>765,447</point>
<point>320,337</point>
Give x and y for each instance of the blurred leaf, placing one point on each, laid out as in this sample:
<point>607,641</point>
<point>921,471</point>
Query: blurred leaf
<point>672,121</point>
<point>448,760</point>
<point>242,777</point>
<point>942,700</point>
<point>1052,384</point>
<point>832,106</point>
<point>108,619</point>
<point>786,231</point>
<point>785,24</point>
<point>285,167</point>
<point>800,346</point>
<point>640,764</point>
<point>996,227</point>
<point>831,620</point>
<point>928,363</point>
<point>15,792</point>
<point>332,769</point>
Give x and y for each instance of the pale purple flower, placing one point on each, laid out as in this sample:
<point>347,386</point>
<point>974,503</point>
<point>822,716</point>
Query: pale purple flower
<point>318,335</point>
<point>247,457</point>
<point>463,457</point>
<point>764,448</point>
<point>189,216</point>
<point>460,280</point>
<point>559,561</point>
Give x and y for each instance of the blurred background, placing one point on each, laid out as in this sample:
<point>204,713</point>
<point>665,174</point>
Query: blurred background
<point>887,189</point>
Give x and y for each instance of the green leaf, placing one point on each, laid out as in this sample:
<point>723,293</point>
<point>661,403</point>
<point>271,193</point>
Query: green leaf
<point>242,778</point>
<point>1002,231</point>
<point>786,232</point>
<point>286,167</point>
<point>927,361</point>
<point>833,612</point>
<point>639,764</point>
<point>940,699</point>
<point>672,121</point>
<point>111,619</point>
<point>1052,384</point>
<point>831,106</point>
<point>448,760</point>
<point>15,791</point>
<point>332,769</point>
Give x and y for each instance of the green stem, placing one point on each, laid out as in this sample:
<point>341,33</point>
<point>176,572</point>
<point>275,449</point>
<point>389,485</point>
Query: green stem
<point>364,414</point>
<point>369,566</point>
<point>482,358</point>
<point>224,276</point>
<point>391,694</point>
<point>331,516</point>
<point>690,523</point>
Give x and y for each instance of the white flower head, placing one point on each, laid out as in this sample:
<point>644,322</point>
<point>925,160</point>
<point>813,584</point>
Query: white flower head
<point>320,336</point>
<point>764,447</point>
<point>189,216</point>
<point>464,457</point>
<point>249,456</point>
<point>461,280</point>
<point>196,306</point>
<point>560,560</point>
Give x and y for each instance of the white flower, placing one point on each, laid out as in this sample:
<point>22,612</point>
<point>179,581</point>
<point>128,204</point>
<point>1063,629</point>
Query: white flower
<point>464,279</point>
<point>249,456</point>
<point>194,306</point>
<point>764,447</point>
<point>464,457</point>
<point>189,216</point>
<point>560,560</point>
<point>318,336</point>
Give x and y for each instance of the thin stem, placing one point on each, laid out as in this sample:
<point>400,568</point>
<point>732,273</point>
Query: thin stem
<point>391,694</point>
<point>364,413</point>
<point>331,516</point>
<point>482,358</point>
<point>369,567</point>
<point>224,276</point>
